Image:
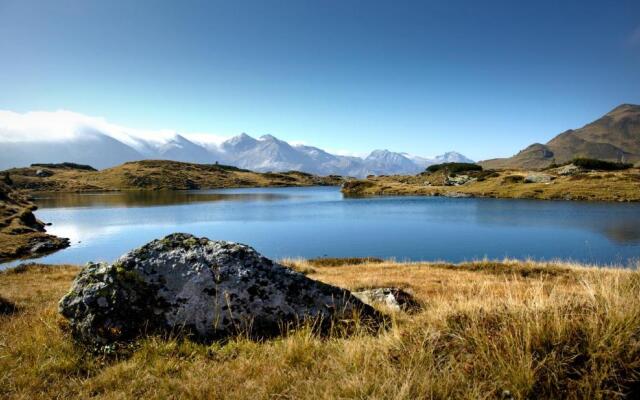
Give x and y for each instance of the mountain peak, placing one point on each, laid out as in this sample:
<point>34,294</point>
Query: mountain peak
<point>269,138</point>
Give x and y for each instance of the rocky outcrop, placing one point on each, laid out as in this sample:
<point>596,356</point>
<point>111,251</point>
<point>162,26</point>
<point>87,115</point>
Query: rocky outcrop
<point>206,289</point>
<point>538,178</point>
<point>458,180</point>
<point>569,169</point>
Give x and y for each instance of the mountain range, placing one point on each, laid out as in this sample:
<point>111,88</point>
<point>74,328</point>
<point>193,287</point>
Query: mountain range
<point>612,137</point>
<point>102,145</point>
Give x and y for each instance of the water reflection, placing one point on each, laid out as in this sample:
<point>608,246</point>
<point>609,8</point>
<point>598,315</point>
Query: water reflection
<point>146,198</point>
<point>618,222</point>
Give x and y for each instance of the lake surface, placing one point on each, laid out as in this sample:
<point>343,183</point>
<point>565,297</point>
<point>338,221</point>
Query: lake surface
<point>318,221</point>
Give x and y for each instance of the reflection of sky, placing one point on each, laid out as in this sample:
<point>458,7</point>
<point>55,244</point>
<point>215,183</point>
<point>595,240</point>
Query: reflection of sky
<point>312,222</point>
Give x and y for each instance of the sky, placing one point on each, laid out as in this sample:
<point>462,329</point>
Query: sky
<point>485,78</point>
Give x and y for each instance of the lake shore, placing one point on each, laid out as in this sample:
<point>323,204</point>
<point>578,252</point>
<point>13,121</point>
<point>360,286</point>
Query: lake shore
<point>612,186</point>
<point>508,329</point>
<point>21,234</point>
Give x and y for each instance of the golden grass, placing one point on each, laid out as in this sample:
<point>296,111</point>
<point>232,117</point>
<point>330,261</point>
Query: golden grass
<point>595,185</point>
<point>488,330</point>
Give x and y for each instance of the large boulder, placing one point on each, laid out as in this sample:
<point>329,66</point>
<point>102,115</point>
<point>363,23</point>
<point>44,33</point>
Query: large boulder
<point>207,289</point>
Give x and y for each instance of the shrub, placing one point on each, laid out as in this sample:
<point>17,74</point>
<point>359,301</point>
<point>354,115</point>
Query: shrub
<point>7,307</point>
<point>592,163</point>
<point>453,168</point>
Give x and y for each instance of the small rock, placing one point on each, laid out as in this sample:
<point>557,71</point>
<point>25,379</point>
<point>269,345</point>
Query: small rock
<point>43,173</point>
<point>209,289</point>
<point>538,178</point>
<point>394,298</point>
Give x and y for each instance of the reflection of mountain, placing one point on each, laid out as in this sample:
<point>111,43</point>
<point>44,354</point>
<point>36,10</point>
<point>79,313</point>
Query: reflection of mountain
<point>147,198</point>
<point>618,222</point>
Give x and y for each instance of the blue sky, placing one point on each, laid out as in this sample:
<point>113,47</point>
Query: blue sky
<point>483,78</point>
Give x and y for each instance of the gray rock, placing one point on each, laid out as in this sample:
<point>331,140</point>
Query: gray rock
<point>208,289</point>
<point>458,180</point>
<point>538,178</point>
<point>569,169</point>
<point>394,298</point>
<point>43,173</point>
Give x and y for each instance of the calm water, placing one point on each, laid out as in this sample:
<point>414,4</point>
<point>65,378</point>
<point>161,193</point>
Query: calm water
<point>315,222</point>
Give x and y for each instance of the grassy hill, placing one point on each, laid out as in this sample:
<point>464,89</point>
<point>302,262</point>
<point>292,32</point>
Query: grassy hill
<point>154,175</point>
<point>613,137</point>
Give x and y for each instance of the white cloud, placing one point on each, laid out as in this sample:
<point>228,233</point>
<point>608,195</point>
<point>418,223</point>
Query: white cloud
<point>63,125</point>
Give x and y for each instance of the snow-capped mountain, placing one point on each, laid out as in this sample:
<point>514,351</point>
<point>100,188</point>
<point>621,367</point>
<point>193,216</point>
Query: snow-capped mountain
<point>45,137</point>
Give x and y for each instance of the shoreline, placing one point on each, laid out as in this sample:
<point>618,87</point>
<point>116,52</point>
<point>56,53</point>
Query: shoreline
<point>605,186</point>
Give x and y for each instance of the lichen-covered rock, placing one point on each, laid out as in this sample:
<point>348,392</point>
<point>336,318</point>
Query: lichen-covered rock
<point>394,298</point>
<point>209,289</point>
<point>569,169</point>
<point>538,178</point>
<point>458,180</point>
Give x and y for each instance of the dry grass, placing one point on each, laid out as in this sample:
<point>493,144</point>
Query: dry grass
<point>488,330</point>
<point>596,185</point>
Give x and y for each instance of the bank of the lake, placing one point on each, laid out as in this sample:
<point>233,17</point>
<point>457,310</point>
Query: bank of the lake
<point>609,186</point>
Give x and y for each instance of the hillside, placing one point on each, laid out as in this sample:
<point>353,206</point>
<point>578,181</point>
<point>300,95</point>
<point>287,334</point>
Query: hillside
<point>21,234</point>
<point>154,175</point>
<point>613,137</point>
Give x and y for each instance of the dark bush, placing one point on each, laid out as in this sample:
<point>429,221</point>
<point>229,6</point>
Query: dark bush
<point>7,307</point>
<point>592,163</point>
<point>65,165</point>
<point>453,168</point>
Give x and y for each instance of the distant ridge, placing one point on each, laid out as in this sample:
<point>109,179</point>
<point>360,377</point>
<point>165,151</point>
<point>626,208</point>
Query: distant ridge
<point>613,137</point>
<point>79,139</point>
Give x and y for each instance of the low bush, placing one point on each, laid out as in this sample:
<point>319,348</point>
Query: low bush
<point>7,307</point>
<point>591,163</point>
<point>453,168</point>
